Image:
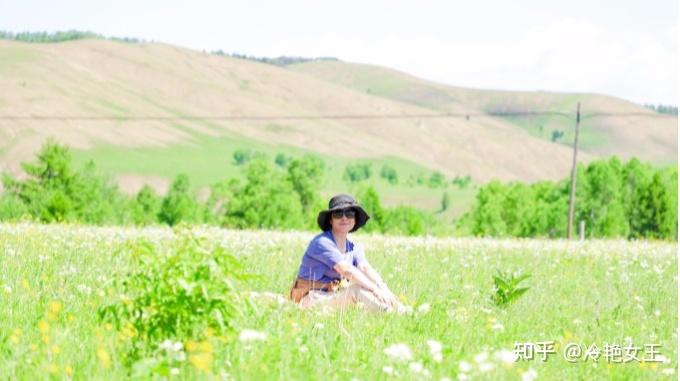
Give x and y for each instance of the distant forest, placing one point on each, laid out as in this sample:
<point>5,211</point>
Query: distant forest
<point>70,35</point>
<point>663,109</point>
<point>61,36</point>
<point>277,61</point>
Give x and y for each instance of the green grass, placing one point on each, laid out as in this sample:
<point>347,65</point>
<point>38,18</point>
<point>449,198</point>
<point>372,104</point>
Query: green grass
<point>589,136</point>
<point>13,56</point>
<point>54,278</point>
<point>208,160</point>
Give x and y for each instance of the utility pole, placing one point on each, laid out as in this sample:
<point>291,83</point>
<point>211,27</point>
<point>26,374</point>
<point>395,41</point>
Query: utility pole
<point>572,193</point>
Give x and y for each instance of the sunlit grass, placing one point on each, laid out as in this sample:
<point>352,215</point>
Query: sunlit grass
<point>54,278</point>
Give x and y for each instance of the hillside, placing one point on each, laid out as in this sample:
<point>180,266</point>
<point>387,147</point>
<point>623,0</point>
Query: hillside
<point>123,82</point>
<point>646,134</point>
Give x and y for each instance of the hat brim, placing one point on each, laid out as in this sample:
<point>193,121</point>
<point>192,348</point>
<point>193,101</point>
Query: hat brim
<point>360,219</point>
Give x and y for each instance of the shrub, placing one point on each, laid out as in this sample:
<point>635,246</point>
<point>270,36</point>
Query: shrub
<point>436,180</point>
<point>357,172</point>
<point>390,174</point>
<point>173,293</point>
<point>506,287</point>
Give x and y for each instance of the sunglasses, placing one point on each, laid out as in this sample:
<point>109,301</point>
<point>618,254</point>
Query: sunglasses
<point>349,213</point>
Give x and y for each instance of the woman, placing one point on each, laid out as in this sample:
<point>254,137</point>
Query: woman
<point>331,258</point>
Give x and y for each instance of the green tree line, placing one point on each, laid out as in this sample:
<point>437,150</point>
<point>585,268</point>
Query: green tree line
<point>281,195</point>
<point>60,36</point>
<point>632,200</point>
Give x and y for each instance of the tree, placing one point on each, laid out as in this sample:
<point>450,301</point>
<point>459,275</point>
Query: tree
<point>390,174</point>
<point>658,211</point>
<point>487,212</point>
<point>436,180</point>
<point>369,199</point>
<point>267,200</point>
<point>445,201</point>
<point>306,174</point>
<point>179,204</point>
<point>146,206</point>
<point>605,213</point>
<point>405,220</point>
<point>357,172</point>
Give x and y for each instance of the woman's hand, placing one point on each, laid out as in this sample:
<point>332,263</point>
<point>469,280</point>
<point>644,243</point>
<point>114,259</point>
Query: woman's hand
<point>386,297</point>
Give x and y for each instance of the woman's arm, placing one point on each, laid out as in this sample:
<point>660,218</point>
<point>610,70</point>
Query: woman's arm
<point>373,275</point>
<point>355,276</point>
<point>358,277</point>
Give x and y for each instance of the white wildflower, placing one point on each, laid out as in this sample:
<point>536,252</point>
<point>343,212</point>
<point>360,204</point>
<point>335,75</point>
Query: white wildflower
<point>388,370</point>
<point>248,335</point>
<point>416,367</point>
<point>481,357</point>
<point>400,352</point>
<point>174,371</point>
<point>83,289</point>
<point>424,308</point>
<point>318,326</point>
<point>485,367</point>
<point>171,346</point>
<point>435,350</point>
<point>497,327</point>
<point>464,366</point>
<point>529,375</point>
<point>505,356</point>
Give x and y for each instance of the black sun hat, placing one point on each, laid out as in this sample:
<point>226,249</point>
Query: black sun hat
<point>339,202</point>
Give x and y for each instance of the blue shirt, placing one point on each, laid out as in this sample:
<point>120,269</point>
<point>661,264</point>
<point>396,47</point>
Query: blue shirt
<point>322,255</point>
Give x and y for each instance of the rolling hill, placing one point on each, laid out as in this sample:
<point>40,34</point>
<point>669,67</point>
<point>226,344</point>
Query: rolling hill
<point>611,126</point>
<point>149,111</point>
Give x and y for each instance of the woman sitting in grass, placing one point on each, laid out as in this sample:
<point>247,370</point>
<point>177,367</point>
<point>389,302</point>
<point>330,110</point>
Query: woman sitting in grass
<point>334,271</point>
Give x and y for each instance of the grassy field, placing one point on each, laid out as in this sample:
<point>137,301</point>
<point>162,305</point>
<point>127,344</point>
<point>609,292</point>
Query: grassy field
<point>207,160</point>
<point>53,279</point>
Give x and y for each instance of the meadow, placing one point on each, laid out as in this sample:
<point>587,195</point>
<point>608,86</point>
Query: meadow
<point>210,159</point>
<point>55,278</point>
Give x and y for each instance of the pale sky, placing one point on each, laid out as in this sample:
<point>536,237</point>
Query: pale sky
<point>623,48</point>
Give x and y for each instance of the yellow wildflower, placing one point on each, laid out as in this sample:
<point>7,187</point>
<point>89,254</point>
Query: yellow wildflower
<point>205,346</point>
<point>191,345</point>
<point>104,357</point>
<point>202,361</point>
<point>16,335</point>
<point>56,306</point>
<point>43,326</point>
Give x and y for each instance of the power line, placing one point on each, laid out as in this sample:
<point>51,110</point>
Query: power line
<point>325,117</point>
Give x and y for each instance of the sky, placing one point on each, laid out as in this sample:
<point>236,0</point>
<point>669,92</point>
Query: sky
<point>624,48</point>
